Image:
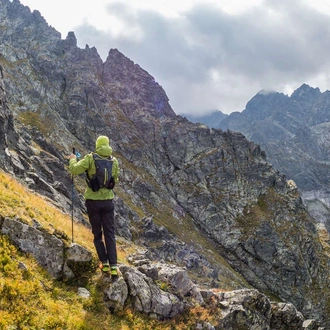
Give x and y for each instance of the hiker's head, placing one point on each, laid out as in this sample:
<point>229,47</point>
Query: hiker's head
<point>102,146</point>
<point>102,141</point>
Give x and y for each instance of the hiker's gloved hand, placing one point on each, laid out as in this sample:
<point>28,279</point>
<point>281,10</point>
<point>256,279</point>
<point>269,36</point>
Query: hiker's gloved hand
<point>72,156</point>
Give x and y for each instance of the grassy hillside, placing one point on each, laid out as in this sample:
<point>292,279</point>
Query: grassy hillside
<point>31,299</point>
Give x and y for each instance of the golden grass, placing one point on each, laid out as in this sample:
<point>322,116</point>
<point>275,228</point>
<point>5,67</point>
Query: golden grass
<point>16,201</point>
<point>31,299</point>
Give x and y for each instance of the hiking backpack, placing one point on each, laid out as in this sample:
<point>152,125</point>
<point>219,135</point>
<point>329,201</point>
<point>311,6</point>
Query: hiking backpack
<point>103,177</point>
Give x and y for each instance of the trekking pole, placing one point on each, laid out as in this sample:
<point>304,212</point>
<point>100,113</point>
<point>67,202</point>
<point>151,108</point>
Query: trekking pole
<point>72,195</point>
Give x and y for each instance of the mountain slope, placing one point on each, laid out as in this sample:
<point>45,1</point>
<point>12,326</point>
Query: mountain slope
<point>232,219</point>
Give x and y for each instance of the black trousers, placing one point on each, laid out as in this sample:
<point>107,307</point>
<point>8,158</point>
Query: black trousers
<point>101,218</point>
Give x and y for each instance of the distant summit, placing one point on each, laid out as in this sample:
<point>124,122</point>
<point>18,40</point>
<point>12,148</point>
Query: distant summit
<point>294,131</point>
<point>212,120</point>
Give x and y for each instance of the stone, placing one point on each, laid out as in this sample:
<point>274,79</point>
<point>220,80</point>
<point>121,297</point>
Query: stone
<point>78,259</point>
<point>47,249</point>
<point>115,295</point>
<point>84,293</point>
<point>243,309</point>
<point>148,298</point>
<point>286,317</point>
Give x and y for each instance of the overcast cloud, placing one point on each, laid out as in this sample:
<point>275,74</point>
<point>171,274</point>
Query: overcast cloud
<point>206,58</point>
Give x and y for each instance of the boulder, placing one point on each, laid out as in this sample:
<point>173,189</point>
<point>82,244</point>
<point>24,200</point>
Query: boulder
<point>47,249</point>
<point>145,295</point>
<point>286,317</point>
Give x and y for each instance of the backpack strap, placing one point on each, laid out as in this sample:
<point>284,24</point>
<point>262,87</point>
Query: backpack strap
<point>86,172</point>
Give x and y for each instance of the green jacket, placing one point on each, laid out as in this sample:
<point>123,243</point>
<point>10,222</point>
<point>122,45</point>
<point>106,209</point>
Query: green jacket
<point>88,164</point>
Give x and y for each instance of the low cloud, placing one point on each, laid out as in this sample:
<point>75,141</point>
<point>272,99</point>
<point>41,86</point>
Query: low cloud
<point>206,59</point>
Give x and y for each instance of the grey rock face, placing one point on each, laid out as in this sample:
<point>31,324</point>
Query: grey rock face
<point>168,248</point>
<point>6,123</point>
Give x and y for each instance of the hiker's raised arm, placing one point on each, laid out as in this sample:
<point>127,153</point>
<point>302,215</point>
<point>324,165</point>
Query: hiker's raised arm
<point>80,167</point>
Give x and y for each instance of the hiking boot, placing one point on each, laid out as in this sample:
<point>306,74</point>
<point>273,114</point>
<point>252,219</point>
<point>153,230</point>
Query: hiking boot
<point>105,267</point>
<point>114,273</point>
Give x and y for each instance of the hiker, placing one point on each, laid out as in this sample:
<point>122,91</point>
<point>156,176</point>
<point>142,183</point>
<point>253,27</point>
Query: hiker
<point>99,200</point>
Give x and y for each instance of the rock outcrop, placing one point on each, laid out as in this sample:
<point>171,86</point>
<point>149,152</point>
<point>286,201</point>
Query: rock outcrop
<point>50,251</point>
<point>239,309</point>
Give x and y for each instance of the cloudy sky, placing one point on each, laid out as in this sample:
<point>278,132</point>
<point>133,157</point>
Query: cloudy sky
<point>206,54</point>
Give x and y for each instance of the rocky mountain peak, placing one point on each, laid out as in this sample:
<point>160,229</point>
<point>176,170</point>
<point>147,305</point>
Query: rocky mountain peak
<point>306,91</point>
<point>71,40</point>
<point>264,100</point>
<point>19,18</point>
<point>306,96</point>
<point>127,80</point>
